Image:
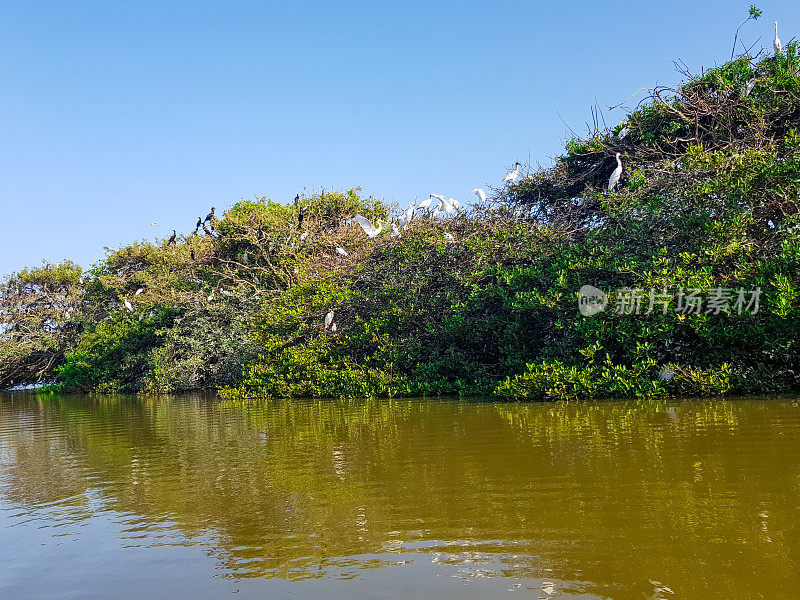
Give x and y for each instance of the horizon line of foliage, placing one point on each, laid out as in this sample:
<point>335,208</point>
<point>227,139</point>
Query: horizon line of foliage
<point>709,198</point>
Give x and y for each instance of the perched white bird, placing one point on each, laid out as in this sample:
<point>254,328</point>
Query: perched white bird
<point>406,217</point>
<point>614,179</point>
<point>395,230</point>
<point>139,291</point>
<point>127,305</point>
<point>341,251</point>
<point>333,327</point>
<point>748,87</point>
<point>368,227</point>
<point>211,296</point>
<point>328,319</point>
<point>480,194</point>
<point>304,235</point>
<point>448,236</point>
<point>512,175</point>
<point>454,204</point>
<point>425,203</point>
<point>623,133</point>
<point>776,43</point>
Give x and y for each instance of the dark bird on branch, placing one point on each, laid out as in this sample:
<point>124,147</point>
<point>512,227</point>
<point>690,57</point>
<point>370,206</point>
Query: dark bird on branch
<point>198,226</point>
<point>300,215</point>
<point>173,239</point>
<point>191,253</point>
<point>210,216</point>
<point>297,200</point>
<point>207,230</point>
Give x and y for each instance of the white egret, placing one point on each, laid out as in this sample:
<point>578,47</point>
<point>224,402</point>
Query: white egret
<point>341,251</point>
<point>453,204</point>
<point>368,227</point>
<point>776,43</point>
<point>333,327</point>
<point>480,194</point>
<point>211,296</point>
<point>443,206</point>
<point>748,87</point>
<point>395,230</point>
<point>406,217</point>
<point>328,319</point>
<point>304,235</point>
<point>425,203</point>
<point>614,179</point>
<point>139,291</point>
<point>127,305</point>
<point>512,175</point>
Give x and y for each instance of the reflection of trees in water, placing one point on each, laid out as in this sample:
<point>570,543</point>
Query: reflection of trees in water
<point>617,491</point>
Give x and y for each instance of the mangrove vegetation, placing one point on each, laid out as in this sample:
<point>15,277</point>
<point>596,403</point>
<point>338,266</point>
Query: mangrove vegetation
<point>280,300</point>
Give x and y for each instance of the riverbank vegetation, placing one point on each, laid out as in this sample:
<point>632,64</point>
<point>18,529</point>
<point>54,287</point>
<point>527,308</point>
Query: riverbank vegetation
<point>485,302</point>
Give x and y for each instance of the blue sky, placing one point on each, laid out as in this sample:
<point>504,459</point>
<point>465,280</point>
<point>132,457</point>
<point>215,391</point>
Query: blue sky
<point>117,114</point>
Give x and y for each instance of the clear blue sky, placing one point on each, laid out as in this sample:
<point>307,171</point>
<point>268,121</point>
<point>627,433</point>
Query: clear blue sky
<point>116,114</point>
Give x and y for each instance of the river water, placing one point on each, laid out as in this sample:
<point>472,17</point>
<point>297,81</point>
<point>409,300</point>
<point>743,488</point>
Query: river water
<point>193,498</point>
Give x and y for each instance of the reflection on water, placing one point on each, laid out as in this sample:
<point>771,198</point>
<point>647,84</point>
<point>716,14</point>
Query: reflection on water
<point>403,498</point>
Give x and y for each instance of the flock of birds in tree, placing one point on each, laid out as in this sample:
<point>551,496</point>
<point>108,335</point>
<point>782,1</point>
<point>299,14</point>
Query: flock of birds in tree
<point>434,206</point>
<point>450,206</point>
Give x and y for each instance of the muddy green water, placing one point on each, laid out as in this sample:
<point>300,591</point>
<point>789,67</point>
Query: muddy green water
<point>190,498</point>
